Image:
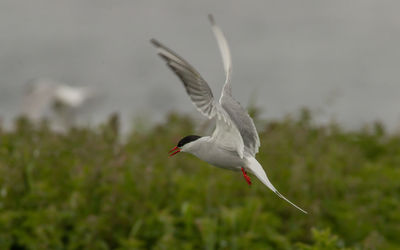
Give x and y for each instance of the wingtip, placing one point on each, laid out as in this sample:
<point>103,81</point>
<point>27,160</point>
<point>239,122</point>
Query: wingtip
<point>162,56</point>
<point>155,42</point>
<point>211,18</point>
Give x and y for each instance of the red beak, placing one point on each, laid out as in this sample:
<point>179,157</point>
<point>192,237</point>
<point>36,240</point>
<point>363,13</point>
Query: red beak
<point>174,152</point>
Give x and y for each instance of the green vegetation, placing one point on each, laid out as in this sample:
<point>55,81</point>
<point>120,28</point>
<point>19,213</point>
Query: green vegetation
<point>85,189</point>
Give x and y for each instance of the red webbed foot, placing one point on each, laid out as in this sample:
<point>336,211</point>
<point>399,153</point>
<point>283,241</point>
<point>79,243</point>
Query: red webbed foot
<point>246,176</point>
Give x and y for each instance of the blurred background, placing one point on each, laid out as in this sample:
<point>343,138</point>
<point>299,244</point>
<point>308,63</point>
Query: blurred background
<point>337,58</point>
<point>315,75</point>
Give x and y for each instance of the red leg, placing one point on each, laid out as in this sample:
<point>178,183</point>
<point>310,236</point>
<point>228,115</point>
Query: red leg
<point>246,176</point>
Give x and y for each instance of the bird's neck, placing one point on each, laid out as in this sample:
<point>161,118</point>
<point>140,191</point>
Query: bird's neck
<point>198,145</point>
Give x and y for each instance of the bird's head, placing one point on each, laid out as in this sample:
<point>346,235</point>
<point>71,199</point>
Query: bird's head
<point>184,144</point>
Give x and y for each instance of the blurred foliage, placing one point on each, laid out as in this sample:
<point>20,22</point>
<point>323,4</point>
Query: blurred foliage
<point>88,189</point>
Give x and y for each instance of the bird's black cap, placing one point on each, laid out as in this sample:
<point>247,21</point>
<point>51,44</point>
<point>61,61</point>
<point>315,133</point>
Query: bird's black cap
<point>187,139</point>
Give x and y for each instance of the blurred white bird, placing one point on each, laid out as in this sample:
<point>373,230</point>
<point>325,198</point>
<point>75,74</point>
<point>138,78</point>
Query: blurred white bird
<point>234,142</point>
<point>46,97</point>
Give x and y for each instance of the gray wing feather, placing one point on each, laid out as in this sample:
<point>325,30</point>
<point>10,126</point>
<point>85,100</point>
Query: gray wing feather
<point>237,113</point>
<point>243,122</point>
<point>196,87</point>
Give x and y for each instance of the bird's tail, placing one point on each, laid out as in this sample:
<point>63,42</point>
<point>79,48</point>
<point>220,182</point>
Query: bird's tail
<point>255,167</point>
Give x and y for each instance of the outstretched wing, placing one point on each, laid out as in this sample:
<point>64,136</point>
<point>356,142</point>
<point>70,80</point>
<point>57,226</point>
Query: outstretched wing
<point>226,133</point>
<point>243,123</point>
<point>196,87</point>
<point>238,115</point>
<point>224,49</point>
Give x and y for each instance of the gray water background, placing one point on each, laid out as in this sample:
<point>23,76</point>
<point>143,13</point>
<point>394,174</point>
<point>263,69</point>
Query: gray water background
<point>339,58</point>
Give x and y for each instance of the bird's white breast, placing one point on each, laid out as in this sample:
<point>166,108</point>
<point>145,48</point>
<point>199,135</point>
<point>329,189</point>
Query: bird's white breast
<point>216,155</point>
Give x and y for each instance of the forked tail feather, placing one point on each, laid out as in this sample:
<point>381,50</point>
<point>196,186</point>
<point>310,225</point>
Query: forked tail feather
<point>255,167</point>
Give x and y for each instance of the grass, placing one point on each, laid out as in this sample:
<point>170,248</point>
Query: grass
<point>85,189</point>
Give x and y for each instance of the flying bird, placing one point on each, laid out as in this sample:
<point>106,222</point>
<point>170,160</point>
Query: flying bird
<point>45,96</point>
<point>234,142</point>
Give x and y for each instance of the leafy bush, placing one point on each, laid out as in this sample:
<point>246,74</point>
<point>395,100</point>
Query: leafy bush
<point>88,189</point>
